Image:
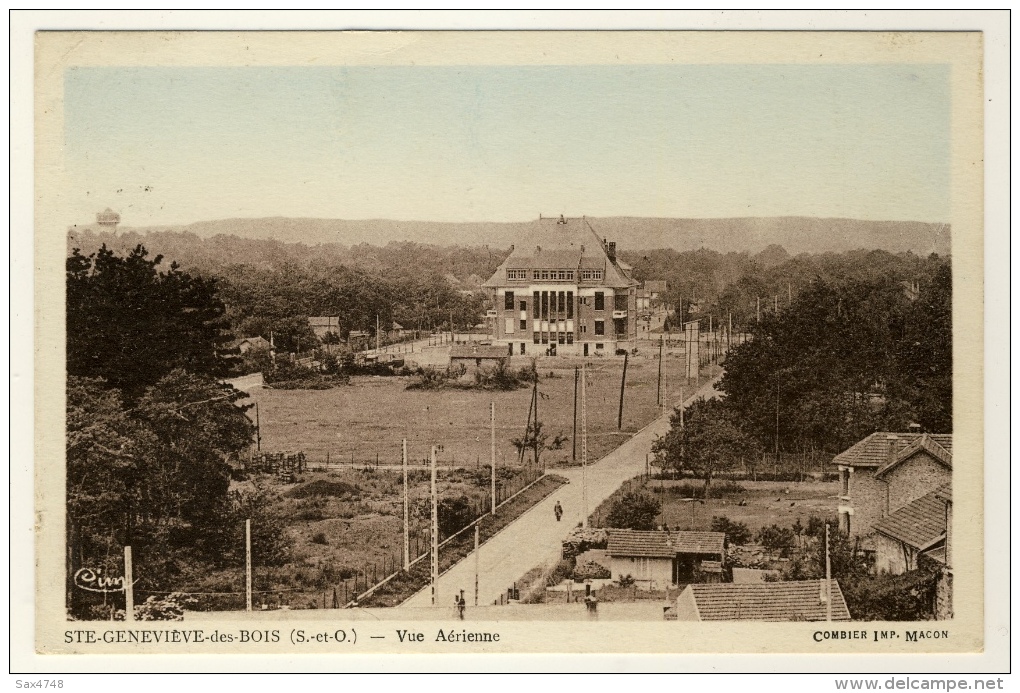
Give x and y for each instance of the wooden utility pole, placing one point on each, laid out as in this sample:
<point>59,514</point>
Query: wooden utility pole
<point>492,429</point>
<point>527,428</point>
<point>129,586</point>
<point>729,333</point>
<point>407,519</point>
<point>757,310</point>
<point>828,577</point>
<point>584,446</point>
<point>476,564</point>
<point>376,333</point>
<point>258,429</point>
<point>247,565</point>
<point>435,528</point>
<point>777,418</point>
<point>681,407</point>
<point>623,383</point>
<point>534,399</point>
<point>573,438</point>
<point>658,386</point>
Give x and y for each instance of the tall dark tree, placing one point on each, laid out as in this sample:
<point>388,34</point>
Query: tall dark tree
<point>130,323</point>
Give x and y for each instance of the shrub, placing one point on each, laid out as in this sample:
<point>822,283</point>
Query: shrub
<point>719,489</point>
<point>168,607</point>
<point>590,570</point>
<point>323,488</point>
<point>320,538</point>
<point>775,538</point>
<point>634,510</point>
<point>626,580</point>
<point>736,532</point>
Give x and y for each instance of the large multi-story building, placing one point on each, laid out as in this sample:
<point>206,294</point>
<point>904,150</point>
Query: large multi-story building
<point>563,290</point>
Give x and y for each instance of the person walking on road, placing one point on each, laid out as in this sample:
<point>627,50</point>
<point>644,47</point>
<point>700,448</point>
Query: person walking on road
<point>459,601</point>
<point>558,511</point>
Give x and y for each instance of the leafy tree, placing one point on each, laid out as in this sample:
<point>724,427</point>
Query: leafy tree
<point>703,439</point>
<point>154,477</point>
<point>130,323</point>
<point>634,510</point>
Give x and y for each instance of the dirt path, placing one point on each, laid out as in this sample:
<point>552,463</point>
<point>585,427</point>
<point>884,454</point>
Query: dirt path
<point>534,539</point>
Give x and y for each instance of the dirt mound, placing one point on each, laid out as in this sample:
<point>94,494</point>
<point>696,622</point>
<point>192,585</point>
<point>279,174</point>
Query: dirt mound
<point>321,487</point>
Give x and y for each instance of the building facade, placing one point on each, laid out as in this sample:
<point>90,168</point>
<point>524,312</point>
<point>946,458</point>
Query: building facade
<point>563,290</point>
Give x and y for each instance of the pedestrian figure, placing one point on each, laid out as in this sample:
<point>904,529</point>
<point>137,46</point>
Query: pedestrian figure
<point>459,601</point>
<point>558,511</point>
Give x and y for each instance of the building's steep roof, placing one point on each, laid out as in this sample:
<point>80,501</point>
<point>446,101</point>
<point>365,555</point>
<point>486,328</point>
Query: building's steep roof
<point>560,244</point>
<point>873,451</point>
<point>920,524</point>
<point>698,542</point>
<point>801,600</point>
<point>634,543</point>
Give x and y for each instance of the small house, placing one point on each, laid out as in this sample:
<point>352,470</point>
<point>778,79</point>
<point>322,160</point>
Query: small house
<point>478,357</point>
<point>799,600</point>
<point>648,557</point>
<point>699,556</point>
<point>323,325</point>
<point>885,471</point>
<point>917,528</point>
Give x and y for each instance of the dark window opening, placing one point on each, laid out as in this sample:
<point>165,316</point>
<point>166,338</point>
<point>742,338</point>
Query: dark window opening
<point>524,306</point>
<point>570,305</point>
<point>538,338</point>
<point>524,325</point>
<point>545,305</point>
<point>508,300</point>
<point>600,300</point>
<point>534,304</point>
<point>621,301</point>
<point>570,337</point>
<point>600,327</point>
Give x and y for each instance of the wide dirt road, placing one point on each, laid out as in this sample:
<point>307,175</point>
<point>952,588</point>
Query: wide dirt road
<point>535,537</point>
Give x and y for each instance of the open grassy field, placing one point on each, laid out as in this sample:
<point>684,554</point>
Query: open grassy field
<point>371,415</point>
<point>765,503</point>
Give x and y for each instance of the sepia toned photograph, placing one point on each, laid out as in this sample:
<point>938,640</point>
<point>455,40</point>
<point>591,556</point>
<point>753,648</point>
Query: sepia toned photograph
<point>416,342</point>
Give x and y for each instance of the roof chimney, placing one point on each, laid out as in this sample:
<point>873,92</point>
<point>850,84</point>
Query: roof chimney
<point>562,220</point>
<point>892,440</point>
<point>612,251</point>
<point>538,249</point>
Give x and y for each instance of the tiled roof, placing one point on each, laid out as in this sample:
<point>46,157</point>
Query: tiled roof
<point>800,600</point>
<point>938,554</point>
<point>478,351</point>
<point>698,542</point>
<point>548,244</point>
<point>945,492</point>
<point>873,451</point>
<point>919,524</point>
<point>629,542</point>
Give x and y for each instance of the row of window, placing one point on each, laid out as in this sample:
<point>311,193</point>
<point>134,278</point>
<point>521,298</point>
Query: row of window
<point>520,275</point>
<point>558,302</point>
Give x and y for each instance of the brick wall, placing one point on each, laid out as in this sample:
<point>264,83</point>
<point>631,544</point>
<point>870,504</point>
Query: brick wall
<point>918,476</point>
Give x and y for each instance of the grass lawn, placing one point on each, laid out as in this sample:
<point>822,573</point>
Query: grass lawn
<point>372,415</point>
<point>765,503</point>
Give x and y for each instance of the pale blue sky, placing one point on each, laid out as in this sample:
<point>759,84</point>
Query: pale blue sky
<point>176,145</point>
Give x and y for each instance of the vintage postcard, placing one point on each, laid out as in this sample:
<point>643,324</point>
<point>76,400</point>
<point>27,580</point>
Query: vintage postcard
<point>509,342</point>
